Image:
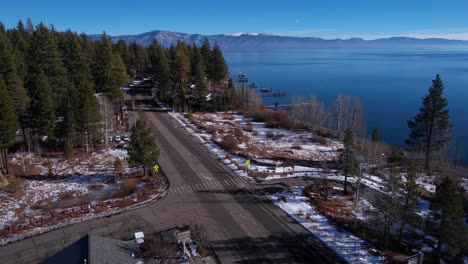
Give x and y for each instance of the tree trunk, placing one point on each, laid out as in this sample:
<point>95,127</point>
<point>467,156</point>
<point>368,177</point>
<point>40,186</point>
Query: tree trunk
<point>121,113</point>
<point>403,221</point>
<point>23,131</point>
<point>438,250</point>
<point>5,156</point>
<point>346,184</point>
<point>1,160</point>
<point>429,139</point>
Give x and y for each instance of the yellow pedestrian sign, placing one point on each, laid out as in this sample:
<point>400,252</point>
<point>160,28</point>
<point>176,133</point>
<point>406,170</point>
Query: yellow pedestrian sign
<point>156,168</point>
<point>247,162</point>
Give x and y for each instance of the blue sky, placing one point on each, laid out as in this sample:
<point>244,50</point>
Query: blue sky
<point>368,19</point>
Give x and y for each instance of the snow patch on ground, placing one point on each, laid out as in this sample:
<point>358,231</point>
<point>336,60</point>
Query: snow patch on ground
<point>348,246</point>
<point>70,178</point>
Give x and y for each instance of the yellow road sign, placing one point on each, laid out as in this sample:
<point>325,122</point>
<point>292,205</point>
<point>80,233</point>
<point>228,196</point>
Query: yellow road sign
<point>156,168</point>
<point>247,162</point>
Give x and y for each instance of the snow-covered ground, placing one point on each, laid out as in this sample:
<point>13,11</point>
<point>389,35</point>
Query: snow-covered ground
<point>70,178</point>
<point>345,244</point>
<point>266,152</point>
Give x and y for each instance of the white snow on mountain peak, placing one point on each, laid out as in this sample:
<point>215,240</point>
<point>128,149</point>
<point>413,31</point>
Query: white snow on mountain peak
<point>242,33</point>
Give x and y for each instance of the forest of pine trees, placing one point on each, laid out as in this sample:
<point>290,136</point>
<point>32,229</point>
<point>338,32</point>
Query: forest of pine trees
<point>57,81</point>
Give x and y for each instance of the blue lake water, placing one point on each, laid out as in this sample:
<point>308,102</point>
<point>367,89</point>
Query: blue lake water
<point>389,83</point>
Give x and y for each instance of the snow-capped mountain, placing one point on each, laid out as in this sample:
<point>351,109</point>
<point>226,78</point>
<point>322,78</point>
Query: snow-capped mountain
<point>258,41</point>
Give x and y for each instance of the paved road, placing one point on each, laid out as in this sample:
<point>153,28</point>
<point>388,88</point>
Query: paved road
<point>243,226</point>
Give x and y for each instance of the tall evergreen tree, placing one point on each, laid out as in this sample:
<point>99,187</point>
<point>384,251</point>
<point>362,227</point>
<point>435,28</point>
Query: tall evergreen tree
<point>120,78</point>
<point>449,212</point>
<point>19,39</point>
<point>182,75</point>
<point>207,54</point>
<point>102,68</point>
<point>82,106</point>
<point>45,58</point>
<point>30,26</point>
<point>121,48</point>
<point>375,137</point>
<point>13,82</point>
<point>219,66</point>
<point>348,162</point>
<point>160,68</point>
<point>143,149</point>
<point>410,195</point>
<point>42,106</point>
<point>109,71</point>
<point>430,129</point>
<point>138,58</point>
<point>8,123</point>
<point>199,76</point>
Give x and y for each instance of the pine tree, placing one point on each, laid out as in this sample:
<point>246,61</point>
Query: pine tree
<point>410,195</point>
<point>431,128</point>
<point>375,137</point>
<point>13,82</point>
<point>197,64</point>
<point>182,74</point>
<point>160,68</point>
<point>122,49</point>
<point>109,71</point>
<point>219,67</point>
<point>450,215</point>
<point>348,162</point>
<point>45,58</point>
<point>19,39</point>
<point>143,149</point>
<point>138,59</point>
<point>199,76</point>
<point>8,123</point>
<point>83,109</point>
<point>390,204</point>
<point>42,106</point>
<point>30,26</point>
<point>207,54</point>
<point>102,68</point>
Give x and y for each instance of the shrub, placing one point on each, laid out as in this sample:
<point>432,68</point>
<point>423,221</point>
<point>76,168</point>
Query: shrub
<point>320,140</point>
<point>44,205</point>
<point>68,149</point>
<point>269,134</point>
<point>127,187</point>
<point>153,247</point>
<point>248,127</point>
<point>229,143</point>
<point>238,133</point>
<point>211,130</point>
<point>14,185</point>
<point>95,186</point>
<point>258,115</point>
<point>118,166</point>
<point>278,136</point>
<point>200,236</point>
<point>279,119</point>
<point>296,146</point>
<point>67,194</point>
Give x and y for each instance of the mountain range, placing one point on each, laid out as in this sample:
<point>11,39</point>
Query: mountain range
<point>254,41</point>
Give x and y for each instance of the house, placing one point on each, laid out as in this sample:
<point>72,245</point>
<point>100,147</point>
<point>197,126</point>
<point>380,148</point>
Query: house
<point>96,249</point>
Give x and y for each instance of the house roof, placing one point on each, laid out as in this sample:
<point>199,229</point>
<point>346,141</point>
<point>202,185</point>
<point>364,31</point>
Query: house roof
<point>104,250</point>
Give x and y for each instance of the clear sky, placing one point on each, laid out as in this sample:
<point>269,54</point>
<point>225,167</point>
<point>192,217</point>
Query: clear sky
<point>367,19</point>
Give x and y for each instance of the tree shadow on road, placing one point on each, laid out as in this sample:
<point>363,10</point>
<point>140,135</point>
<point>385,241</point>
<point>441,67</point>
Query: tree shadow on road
<point>278,248</point>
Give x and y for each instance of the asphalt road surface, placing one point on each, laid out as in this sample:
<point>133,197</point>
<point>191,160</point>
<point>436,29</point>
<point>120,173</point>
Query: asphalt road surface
<point>243,226</point>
